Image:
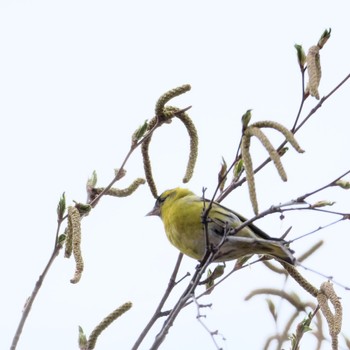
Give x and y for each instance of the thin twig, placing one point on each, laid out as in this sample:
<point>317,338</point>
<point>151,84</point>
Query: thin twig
<point>35,291</point>
<point>158,312</point>
<point>200,317</point>
<point>303,99</point>
<point>319,104</point>
<point>328,277</point>
<point>316,230</point>
<point>187,294</point>
<point>303,197</point>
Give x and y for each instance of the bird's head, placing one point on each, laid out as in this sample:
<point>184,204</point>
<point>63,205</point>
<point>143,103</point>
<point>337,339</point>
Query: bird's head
<point>167,198</point>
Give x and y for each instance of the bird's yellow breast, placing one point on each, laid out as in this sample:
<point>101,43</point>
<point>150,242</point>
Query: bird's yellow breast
<point>182,223</point>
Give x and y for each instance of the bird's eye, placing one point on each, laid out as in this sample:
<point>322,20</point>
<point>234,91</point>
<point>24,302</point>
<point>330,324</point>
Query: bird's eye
<point>161,200</point>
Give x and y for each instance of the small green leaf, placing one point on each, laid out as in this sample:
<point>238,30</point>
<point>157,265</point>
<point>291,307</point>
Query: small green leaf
<point>139,132</point>
<point>61,239</point>
<point>83,208</point>
<point>246,118</point>
<point>209,281</point>
<point>306,323</point>
<point>237,169</point>
<point>282,151</point>
<point>324,38</point>
<point>212,276</point>
<point>82,341</point>
<point>92,181</point>
<point>119,173</point>
<point>222,175</point>
<point>218,272</point>
<point>301,56</point>
<point>61,207</point>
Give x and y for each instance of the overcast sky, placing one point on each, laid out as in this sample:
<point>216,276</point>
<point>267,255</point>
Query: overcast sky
<point>78,77</point>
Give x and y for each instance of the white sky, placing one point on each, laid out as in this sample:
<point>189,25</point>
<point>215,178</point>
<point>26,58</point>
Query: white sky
<point>78,77</point>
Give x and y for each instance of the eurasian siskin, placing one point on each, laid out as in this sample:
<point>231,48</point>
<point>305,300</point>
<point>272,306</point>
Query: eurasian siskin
<point>181,212</point>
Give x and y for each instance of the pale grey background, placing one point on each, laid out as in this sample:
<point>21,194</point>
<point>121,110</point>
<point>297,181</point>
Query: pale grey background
<point>78,77</point>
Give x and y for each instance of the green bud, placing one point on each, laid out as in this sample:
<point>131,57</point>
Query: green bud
<point>61,239</point>
<point>92,181</point>
<point>136,136</point>
<point>246,118</point>
<point>237,169</point>
<point>209,281</point>
<point>324,38</point>
<point>301,56</point>
<point>83,208</point>
<point>212,276</point>
<point>61,207</point>
<point>282,151</point>
<point>119,173</point>
<point>241,261</point>
<point>218,271</point>
<point>222,175</point>
<point>306,322</point>
<point>82,341</point>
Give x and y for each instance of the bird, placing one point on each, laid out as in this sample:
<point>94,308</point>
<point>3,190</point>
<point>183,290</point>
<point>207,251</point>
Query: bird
<point>182,214</point>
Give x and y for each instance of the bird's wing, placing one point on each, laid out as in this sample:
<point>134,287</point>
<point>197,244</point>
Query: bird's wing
<point>225,216</point>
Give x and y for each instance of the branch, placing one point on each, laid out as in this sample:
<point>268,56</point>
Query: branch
<point>239,183</point>
<point>158,313</point>
<point>187,294</point>
<point>32,297</point>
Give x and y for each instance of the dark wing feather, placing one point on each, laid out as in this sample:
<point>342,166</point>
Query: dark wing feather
<point>260,233</point>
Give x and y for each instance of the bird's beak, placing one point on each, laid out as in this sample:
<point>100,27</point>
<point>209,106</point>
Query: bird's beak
<point>155,211</point>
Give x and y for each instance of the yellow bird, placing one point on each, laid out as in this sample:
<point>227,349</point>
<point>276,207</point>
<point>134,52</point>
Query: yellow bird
<point>181,212</point>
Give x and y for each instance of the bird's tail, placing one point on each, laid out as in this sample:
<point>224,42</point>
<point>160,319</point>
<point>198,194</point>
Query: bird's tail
<point>237,247</point>
<point>277,249</point>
